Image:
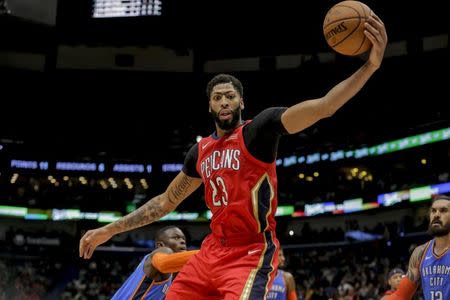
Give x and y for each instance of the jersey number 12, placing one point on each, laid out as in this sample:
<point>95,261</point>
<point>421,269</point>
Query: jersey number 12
<point>436,295</point>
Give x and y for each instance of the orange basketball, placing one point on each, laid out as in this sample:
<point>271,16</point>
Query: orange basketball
<point>344,27</point>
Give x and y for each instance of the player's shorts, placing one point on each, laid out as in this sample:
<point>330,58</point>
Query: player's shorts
<point>229,269</point>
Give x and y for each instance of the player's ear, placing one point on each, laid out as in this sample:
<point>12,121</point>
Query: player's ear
<point>159,244</point>
<point>241,104</point>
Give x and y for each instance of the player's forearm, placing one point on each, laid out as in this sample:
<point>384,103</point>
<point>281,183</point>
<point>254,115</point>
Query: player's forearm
<point>345,90</point>
<point>306,113</point>
<point>405,291</point>
<point>171,263</point>
<point>153,210</point>
<point>156,208</point>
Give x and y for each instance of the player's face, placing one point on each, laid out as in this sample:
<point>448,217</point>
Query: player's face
<point>394,281</point>
<point>225,105</point>
<point>439,218</point>
<point>281,259</point>
<point>174,239</point>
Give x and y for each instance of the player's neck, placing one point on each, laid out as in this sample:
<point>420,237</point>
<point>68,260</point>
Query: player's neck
<point>442,243</point>
<point>221,132</point>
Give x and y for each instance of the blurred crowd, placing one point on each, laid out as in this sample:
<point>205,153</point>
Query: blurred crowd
<point>324,267</point>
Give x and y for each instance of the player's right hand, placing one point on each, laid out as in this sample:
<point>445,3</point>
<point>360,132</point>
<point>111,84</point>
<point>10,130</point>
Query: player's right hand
<point>91,240</point>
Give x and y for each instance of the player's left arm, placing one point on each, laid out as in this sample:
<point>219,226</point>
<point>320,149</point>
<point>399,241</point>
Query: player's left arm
<point>150,270</point>
<point>291,291</point>
<point>306,113</point>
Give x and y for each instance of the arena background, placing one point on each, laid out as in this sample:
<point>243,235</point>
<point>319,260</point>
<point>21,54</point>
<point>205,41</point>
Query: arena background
<point>98,112</point>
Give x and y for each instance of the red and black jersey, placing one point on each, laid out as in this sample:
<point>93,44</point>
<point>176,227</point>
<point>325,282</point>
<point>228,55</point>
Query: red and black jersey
<point>240,190</point>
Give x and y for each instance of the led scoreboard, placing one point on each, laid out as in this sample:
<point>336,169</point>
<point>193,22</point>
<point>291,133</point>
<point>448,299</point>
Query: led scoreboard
<point>126,8</point>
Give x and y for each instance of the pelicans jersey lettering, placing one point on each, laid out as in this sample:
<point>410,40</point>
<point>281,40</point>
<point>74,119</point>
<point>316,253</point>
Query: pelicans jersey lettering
<point>240,190</point>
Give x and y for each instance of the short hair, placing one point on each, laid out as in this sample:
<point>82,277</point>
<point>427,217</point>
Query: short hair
<point>440,197</point>
<point>161,232</point>
<point>395,271</point>
<point>224,78</point>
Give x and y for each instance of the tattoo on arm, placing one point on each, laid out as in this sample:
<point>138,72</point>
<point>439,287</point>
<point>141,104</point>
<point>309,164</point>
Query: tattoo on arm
<point>159,206</point>
<point>146,214</point>
<point>414,264</point>
<point>177,192</point>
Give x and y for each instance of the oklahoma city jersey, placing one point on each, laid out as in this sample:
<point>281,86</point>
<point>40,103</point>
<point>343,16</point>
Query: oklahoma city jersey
<point>139,286</point>
<point>278,290</point>
<point>435,274</point>
<point>240,190</point>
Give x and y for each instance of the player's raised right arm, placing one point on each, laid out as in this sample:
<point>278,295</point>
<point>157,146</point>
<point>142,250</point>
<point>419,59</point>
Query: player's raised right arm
<point>154,209</point>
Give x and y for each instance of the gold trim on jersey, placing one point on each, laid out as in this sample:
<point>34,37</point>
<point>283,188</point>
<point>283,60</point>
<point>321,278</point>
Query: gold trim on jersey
<point>255,200</point>
<point>271,262</point>
<point>251,277</point>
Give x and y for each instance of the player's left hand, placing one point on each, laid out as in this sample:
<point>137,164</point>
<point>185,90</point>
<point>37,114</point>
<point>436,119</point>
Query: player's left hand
<point>376,33</point>
<point>91,240</point>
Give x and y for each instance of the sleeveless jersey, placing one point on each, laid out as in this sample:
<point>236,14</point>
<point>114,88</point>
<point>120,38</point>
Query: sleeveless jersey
<point>435,274</point>
<point>139,286</point>
<point>240,190</point>
<point>279,289</point>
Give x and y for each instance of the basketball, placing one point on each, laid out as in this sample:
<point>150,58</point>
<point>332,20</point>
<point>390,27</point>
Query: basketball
<point>344,27</point>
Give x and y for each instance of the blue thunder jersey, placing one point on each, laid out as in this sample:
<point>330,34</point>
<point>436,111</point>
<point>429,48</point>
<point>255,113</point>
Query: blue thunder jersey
<point>139,286</point>
<point>278,290</point>
<point>435,274</point>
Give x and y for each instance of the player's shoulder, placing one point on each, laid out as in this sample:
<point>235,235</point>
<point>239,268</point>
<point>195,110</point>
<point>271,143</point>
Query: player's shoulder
<point>417,254</point>
<point>204,140</point>
<point>271,112</point>
<point>421,248</point>
<point>287,275</point>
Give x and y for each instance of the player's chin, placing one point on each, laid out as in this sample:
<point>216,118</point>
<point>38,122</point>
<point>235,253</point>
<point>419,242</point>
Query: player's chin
<point>226,124</point>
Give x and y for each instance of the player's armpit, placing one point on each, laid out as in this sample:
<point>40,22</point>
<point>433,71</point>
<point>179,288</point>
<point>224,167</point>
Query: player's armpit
<point>171,263</point>
<point>405,291</point>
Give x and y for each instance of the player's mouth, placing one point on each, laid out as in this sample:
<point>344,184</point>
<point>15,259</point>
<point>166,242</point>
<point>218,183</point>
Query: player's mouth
<point>436,222</point>
<point>225,114</point>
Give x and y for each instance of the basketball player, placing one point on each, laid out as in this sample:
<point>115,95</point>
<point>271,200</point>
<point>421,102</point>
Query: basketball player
<point>430,262</point>
<point>236,164</point>
<point>153,276</point>
<point>394,278</point>
<point>283,287</point>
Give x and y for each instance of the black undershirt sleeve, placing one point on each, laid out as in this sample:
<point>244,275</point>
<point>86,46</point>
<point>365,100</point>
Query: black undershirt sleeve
<point>190,162</point>
<point>262,135</point>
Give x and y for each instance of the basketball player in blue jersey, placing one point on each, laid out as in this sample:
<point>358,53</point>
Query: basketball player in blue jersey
<point>283,287</point>
<point>430,263</point>
<point>153,276</point>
